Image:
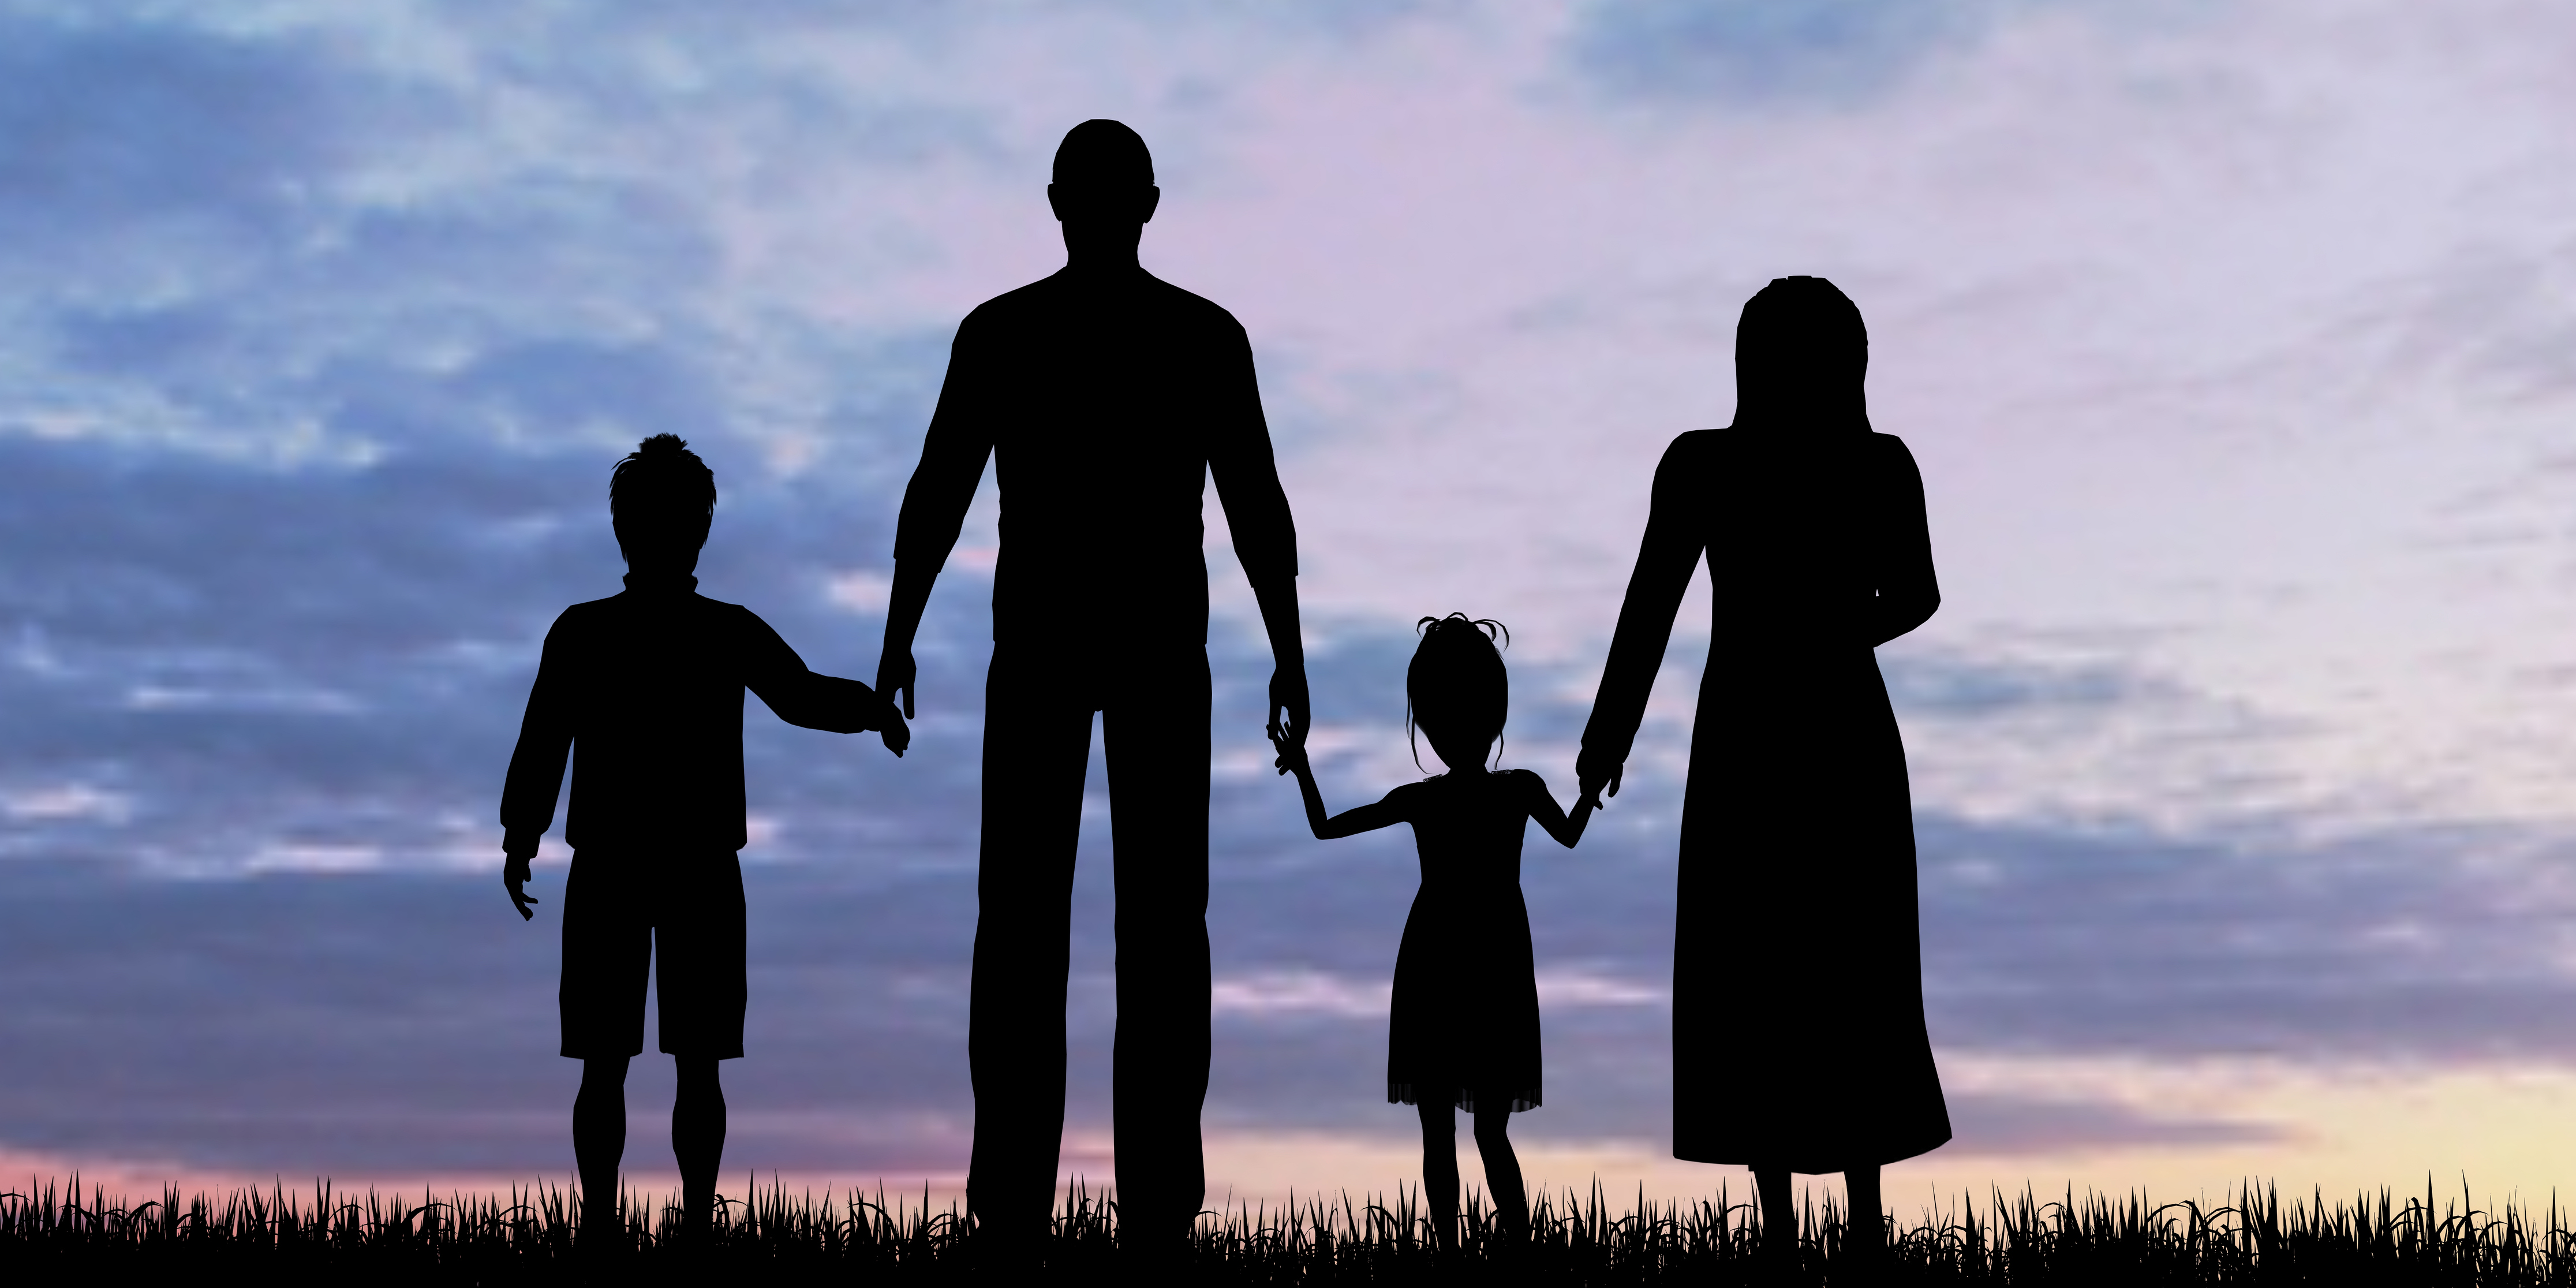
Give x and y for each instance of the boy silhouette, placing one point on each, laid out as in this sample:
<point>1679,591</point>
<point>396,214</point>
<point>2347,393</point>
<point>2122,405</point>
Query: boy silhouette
<point>648,683</point>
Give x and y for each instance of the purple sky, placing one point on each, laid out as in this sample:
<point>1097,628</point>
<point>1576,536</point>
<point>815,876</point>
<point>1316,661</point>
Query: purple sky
<point>2234,339</point>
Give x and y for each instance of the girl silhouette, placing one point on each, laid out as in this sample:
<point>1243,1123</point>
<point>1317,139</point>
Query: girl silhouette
<point>1464,1029</point>
<point>1798,1036</point>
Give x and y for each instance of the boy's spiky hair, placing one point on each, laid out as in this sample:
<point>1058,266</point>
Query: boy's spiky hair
<point>661,495</point>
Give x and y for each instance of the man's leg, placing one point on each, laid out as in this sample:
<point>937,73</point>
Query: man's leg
<point>1037,743</point>
<point>599,1143</point>
<point>1157,748</point>
<point>697,1140</point>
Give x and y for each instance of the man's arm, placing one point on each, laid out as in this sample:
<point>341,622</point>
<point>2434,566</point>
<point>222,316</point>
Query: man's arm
<point>1265,534</point>
<point>1278,599</point>
<point>535,782</point>
<point>934,503</point>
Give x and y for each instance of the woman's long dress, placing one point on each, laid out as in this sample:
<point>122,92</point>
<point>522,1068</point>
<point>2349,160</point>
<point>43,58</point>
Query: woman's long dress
<point>1798,1034</point>
<point>1464,1024</point>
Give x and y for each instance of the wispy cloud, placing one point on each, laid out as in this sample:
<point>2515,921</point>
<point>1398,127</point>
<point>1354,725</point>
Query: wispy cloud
<point>1765,53</point>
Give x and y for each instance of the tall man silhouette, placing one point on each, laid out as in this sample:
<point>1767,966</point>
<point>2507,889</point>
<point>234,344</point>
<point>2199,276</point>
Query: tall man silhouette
<point>1106,398</point>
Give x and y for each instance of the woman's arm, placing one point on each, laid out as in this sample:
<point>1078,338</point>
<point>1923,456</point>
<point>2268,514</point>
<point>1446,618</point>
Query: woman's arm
<point>1541,803</point>
<point>1665,558</point>
<point>1907,591</point>
<point>1367,818</point>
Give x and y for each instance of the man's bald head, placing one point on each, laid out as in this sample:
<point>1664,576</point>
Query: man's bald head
<point>1104,190</point>
<point>1101,153</point>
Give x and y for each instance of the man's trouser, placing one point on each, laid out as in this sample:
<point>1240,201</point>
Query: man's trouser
<point>1037,744</point>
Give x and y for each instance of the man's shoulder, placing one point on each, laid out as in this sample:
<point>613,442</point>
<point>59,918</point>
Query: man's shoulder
<point>1047,299</point>
<point>1017,303</point>
<point>1188,303</point>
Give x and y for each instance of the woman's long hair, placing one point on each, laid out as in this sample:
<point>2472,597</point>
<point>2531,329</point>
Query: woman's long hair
<point>1801,352</point>
<point>1457,680</point>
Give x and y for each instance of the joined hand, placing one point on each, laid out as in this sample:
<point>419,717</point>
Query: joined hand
<point>1292,756</point>
<point>1590,783</point>
<point>1288,696</point>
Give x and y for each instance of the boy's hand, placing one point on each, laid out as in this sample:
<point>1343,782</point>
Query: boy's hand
<point>897,735</point>
<point>515,876</point>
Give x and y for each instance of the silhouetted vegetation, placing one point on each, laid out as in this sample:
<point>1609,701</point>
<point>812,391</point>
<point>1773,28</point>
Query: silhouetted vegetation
<point>276,1237</point>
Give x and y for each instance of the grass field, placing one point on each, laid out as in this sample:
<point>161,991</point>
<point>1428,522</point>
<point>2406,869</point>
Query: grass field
<point>273,1236</point>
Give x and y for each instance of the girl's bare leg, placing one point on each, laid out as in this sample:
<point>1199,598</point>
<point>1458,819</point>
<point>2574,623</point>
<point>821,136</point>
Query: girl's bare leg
<point>1440,1165</point>
<point>1502,1166</point>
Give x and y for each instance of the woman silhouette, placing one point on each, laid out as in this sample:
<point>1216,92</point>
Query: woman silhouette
<point>1797,838</point>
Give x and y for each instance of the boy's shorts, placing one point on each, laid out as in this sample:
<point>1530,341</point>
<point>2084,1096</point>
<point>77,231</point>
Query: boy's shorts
<point>616,908</point>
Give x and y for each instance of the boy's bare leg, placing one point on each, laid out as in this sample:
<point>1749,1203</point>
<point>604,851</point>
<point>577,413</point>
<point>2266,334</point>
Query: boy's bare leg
<point>1440,1166</point>
<point>1502,1167</point>
<point>599,1143</point>
<point>697,1140</point>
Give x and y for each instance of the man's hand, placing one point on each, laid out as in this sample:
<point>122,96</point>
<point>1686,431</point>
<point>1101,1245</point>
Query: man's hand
<point>895,672</point>
<point>1288,692</point>
<point>515,876</point>
<point>1278,597</point>
<point>896,733</point>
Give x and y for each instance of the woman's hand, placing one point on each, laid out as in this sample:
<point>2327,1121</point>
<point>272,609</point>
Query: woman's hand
<point>1591,778</point>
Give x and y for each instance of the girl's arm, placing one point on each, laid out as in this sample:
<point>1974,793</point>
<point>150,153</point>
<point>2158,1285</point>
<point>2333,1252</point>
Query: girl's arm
<point>1367,818</point>
<point>1567,829</point>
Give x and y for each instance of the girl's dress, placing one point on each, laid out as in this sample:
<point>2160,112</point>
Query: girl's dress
<point>1464,1025</point>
